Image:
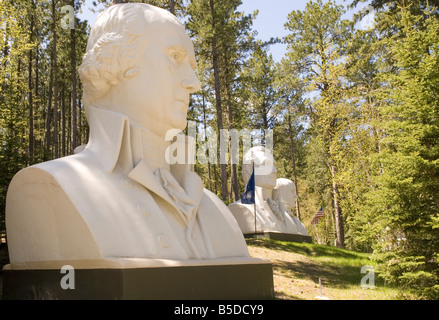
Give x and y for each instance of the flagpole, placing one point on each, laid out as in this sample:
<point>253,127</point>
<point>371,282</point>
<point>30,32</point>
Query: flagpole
<point>254,204</point>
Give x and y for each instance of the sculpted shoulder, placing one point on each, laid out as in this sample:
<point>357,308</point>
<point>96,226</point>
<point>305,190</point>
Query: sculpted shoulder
<point>237,205</point>
<point>58,169</point>
<point>43,223</point>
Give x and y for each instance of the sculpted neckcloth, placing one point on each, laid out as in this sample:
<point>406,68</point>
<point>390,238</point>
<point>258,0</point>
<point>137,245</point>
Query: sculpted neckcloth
<point>185,205</point>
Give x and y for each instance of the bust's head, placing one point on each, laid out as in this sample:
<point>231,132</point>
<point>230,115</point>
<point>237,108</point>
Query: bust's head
<point>265,170</point>
<point>285,191</point>
<point>140,62</point>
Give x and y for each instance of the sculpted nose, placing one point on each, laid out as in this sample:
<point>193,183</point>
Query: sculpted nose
<point>191,82</point>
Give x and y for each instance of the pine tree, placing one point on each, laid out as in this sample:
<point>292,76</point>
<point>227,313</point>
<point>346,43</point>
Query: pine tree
<point>316,48</point>
<point>14,93</point>
<point>221,35</point>
<point>290,117</point>
<point>27,79</point>
<point>406,199</point>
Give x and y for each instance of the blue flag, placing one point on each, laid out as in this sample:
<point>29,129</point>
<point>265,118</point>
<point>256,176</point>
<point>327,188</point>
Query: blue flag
<point>248,197</point>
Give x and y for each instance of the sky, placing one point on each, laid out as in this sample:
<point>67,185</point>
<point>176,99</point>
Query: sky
<point>270,20</point>
<point>269,23</point>
<point>273,15</point>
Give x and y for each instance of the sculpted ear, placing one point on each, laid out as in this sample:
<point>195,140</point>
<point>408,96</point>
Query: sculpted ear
<point>93,82</point>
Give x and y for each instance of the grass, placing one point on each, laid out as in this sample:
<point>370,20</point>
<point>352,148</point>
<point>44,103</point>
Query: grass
<point>297,268</point>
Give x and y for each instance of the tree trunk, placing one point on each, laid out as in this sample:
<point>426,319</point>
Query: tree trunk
<point>37,143</point>
<point>30,98</point>
<point>337,210</point>
<point>37,79</point>
<point>265,115</point>
<point>47,138</point>
<point>79,120</point>
<point>63,124</point>
<point>5,61</point>
<point>215,173</point>
<point>219,116</point>
<point>207,149</point>
<point>234,185</point>
<point>55,85</point>
<point>293,160</point>
<point>73,106</point>
<point>172,6</point>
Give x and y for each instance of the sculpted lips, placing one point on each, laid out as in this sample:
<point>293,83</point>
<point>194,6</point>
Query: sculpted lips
<point>184,101</point>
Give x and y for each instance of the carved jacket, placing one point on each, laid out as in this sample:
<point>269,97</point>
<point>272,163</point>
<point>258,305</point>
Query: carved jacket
<point>271,216</point>
<point>85,206</point>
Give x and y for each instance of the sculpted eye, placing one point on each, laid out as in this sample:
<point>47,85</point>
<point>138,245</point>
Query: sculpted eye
<point>176,54</point>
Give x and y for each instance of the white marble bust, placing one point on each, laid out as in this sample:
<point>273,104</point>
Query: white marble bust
<point>285,192</point>
<point>119,197</point>
<point>270,213</point>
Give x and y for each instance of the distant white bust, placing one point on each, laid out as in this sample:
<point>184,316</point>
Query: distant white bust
<point>120,197</point>
<point>270,213</point>
<point>285,192</point>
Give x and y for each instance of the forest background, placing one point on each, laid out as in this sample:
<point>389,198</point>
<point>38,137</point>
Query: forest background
<point>354,112</point>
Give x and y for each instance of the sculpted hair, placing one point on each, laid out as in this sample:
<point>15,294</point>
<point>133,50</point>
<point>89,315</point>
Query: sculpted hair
<point>114,48</point>
<point>250,156</point>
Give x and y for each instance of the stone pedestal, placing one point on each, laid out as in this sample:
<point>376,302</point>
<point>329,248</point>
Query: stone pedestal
<point>280,236</point>
<point>251,279</point>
